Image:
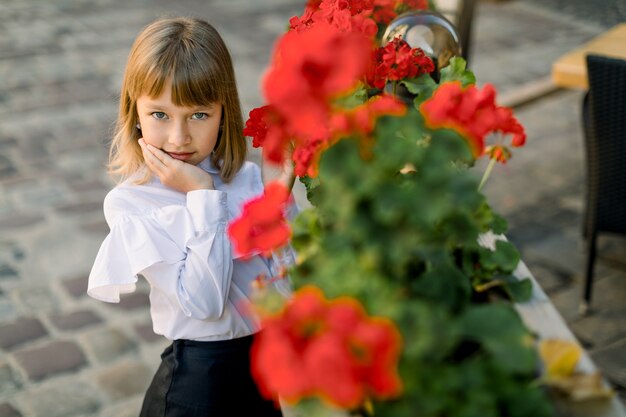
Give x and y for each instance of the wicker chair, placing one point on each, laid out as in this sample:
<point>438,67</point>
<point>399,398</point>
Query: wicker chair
<point>604,128</point>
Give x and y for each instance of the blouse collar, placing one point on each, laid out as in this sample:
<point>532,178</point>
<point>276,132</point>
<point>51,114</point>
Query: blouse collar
<point>208,166</point>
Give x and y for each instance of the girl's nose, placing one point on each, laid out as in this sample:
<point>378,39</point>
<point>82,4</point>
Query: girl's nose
<point>180,134</point>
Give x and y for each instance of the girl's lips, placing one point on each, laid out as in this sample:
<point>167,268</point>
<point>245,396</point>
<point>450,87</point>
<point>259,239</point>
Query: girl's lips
<point>180,156</point>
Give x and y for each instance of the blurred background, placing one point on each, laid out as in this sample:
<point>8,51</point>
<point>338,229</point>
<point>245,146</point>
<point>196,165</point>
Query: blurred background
<point>61,62</point>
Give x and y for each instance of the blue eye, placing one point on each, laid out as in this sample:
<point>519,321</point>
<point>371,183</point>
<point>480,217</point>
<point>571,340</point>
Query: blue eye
<point>199,116</point>
<point>159,115</point>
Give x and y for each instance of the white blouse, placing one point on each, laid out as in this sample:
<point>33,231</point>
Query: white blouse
<point>199,288</point>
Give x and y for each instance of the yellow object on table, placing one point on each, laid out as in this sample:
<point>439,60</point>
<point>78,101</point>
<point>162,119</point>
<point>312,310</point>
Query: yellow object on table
<point>570,70</point>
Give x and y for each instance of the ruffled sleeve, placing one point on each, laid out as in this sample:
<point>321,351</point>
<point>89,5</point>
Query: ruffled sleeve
<point>130,247</point>
<point>182,250</point>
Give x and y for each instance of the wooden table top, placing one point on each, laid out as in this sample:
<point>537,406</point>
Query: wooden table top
<point>570,70</point>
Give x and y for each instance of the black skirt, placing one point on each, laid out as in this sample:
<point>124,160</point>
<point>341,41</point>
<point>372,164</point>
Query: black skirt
<point>208,379</point>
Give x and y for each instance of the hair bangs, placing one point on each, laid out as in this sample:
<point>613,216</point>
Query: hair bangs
<point>196,85</point>
<point>195,77</point>
<point>153,82</point>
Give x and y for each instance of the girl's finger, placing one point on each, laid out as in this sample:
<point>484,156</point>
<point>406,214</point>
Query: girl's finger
<point>153,161</point>
<point>159,154</point>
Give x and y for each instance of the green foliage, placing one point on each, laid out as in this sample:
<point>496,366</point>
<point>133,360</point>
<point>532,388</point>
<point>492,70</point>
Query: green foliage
<point>422,87</point>
<point>456,71</point>
<point>399,230</point>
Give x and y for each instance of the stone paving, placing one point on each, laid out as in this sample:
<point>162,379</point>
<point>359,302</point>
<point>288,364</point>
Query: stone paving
<point>63,354</point>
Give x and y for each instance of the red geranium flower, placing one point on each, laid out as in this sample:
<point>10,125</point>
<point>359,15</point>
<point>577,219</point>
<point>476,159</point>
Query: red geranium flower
<point>387,10</point>
<point>308,151</point>
<point>345,15</point>
<point>269,131</point>
<point>507,123</point>
<point>359,23</point>
<point>354,7</point>
<point>396,61</point>
<point>309,69</point>
<point>256,125</point>
<point>262,225</point>
<point>404,5</point>
<point>327,348</point>
<point>384,11</point>
<point>313,4</point>
<point>305,21</point>
<point>474,114</point>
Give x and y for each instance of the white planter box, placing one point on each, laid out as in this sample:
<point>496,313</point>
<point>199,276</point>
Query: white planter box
<point>541,317</point>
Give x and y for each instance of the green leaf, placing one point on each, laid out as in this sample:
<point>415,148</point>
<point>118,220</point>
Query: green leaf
<point>443,284</point>
<point>306,225</point>
<point>455,71</point>
<point>423,86</point>
<point>506,255</point>
<point>519,290</point>
<point>306,235</point>
<point>499,329</point>
<point>504,258</point>
<point>311,185</point>
<point>428,330</point>
<point>311,407</point>
<point>456,146</point>
<point>498,224</point>
<point>527,400</point>
<point>354,99</point>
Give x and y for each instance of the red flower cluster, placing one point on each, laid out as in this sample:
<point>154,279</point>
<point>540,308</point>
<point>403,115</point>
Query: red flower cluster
<point>307,153</point>
<point>404,5</point>
<point>267,129</point>
<point>262,225</point>
<point>323,56</point>
<point>313,4</point>
<point>474,114</point>
<point>345,15</point>
<point>354,15</point>
<point>327,348</point>
<point>310,69</point>
<point>385,11</point>
<point>256,125</point>
<point>396,61</point>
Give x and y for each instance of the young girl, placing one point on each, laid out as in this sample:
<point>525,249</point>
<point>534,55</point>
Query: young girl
<point>180,151</point>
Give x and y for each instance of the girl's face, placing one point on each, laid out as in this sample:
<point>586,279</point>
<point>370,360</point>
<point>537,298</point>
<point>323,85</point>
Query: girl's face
<point>188,134</point>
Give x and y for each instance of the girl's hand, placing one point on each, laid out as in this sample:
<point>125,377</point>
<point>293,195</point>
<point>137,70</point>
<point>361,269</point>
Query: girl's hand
<point>285,175</point>
<point>175,174</point>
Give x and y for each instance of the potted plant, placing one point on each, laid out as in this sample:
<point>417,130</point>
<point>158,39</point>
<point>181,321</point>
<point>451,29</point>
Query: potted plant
<point>398,309</point>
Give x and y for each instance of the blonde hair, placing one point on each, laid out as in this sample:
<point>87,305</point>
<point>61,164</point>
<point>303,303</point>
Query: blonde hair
<point>192,54</point>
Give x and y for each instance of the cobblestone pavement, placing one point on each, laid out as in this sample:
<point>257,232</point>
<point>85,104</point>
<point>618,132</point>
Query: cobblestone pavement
<point>605,13</point>
<point>63,354</point>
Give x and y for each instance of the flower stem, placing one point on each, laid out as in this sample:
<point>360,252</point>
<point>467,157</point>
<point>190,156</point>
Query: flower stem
<point>488,285</point>
<point>394,87</point>
<point>492,162</point>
